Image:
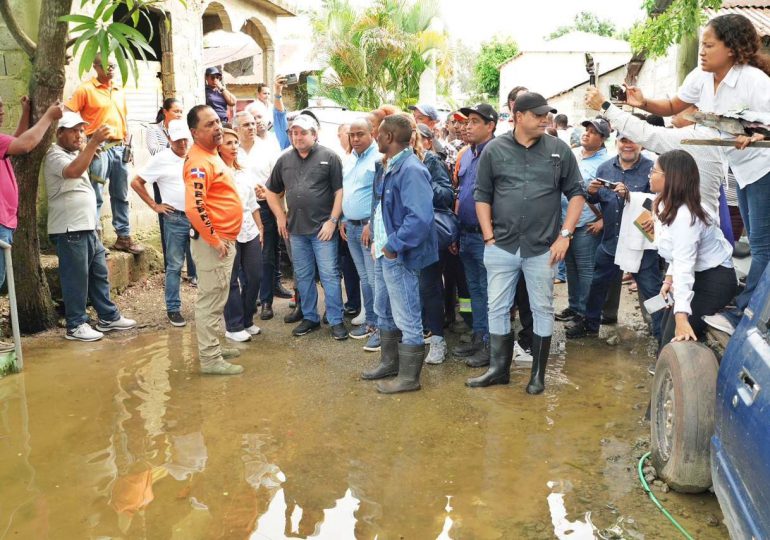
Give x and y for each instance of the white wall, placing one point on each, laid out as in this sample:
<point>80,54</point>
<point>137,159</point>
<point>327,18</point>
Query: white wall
<point>571,103</point>
<point>658,77</point>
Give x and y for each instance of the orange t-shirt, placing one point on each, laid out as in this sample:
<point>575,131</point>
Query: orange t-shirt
<point>100,105</point>
<point>212,203</point>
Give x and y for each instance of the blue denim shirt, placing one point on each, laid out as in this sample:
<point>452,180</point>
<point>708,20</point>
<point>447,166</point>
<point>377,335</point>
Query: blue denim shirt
<point>281,128</point>
<point>637,178</point>
<point>588,167</point>
<point>469,166</point>
<point>357,181</point>
<point>404,194</point>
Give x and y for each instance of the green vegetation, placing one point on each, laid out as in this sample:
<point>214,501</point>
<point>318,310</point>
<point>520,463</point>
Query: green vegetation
<point>486,70</point>
<point>669,22</point>
<point>585,21</point>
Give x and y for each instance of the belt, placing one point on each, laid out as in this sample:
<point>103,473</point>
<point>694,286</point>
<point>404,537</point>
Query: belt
<point>180,212</point>
<point>470,228</point>
<point>359,222</point>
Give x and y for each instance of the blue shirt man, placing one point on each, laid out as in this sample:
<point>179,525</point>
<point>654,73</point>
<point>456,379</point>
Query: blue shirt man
<point>469,166</point>
<point>357,180</point>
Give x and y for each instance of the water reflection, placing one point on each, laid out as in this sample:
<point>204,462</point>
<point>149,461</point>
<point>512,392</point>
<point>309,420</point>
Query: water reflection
<point>121,439</point>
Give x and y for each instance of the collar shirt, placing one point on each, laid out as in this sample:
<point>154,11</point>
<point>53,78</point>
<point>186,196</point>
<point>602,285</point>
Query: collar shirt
<point>245,188</point>
<point>71,201</point>
<point>101,105</point>
<point>166,169</point>
<point>523,185</point>
<point>744,87</point>
<point>260,160</point>
<point>310,185</point>
<point>637,178</point>
<point>380,234</point>
<point>588,166</point>
<point>469,166</point>
<point>357,182</point>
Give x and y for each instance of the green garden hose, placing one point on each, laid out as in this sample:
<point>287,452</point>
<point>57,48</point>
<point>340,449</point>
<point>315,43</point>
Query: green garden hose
<point>654,499</point>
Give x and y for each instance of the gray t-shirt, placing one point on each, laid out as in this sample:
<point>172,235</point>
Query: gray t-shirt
<point>310,184</point>
<point>71,201</point>
<point>524,187</point>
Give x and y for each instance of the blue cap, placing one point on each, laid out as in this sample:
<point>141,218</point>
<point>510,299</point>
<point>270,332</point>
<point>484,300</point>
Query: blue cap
<point>426,109</point>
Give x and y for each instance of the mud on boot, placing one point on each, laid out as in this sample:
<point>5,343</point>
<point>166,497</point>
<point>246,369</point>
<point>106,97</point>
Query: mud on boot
<point>388,365</point>
<point>500,358</point>
<point>541,347</point>
<point>409,368</point>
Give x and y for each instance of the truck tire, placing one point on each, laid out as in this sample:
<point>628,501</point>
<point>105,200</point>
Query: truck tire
<point>682,415</point>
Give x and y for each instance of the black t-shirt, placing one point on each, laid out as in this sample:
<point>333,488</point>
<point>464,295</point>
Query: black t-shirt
<point>309,184</point>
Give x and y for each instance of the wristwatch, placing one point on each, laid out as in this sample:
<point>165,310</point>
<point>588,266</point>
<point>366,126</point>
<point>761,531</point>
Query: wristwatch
<point>566,233</point>
<point>334,220</point>
<point>606,105</point>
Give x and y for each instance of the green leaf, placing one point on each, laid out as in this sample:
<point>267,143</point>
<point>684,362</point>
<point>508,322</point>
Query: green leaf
<point>130,4</point>
<point>81,28</point>
<point>119,37</point>
<point>128,31</point>
<point>101,7</point>
<point>104,45</point>
<point>83,19</point>
<point>89,53</point>
<point>122,66</point>
<point>110,11</point>
<point>84,38</point>
<point>135,17</point>
<point>149,25</point>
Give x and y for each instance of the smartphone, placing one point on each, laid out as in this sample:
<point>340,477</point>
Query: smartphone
<point>647,205</point>
<point>657,302</point>
<point>617,93</point>
<point>292,78</point>
<point>607,183</point>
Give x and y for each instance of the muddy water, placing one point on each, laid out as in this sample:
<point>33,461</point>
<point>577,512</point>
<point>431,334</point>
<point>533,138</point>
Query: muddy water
<point>122,439</point>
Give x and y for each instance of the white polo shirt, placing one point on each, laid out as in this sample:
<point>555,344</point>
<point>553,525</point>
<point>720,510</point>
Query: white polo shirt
<point>744,87</point>
<point>167,170</point>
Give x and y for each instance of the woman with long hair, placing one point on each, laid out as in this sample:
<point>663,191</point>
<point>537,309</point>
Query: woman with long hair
<point>700,275</point>
<point>247,267</point>
<point>733,74</point>
<point>157,133</point>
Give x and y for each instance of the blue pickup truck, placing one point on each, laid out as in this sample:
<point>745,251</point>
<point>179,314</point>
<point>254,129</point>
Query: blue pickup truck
<point>710,418</point>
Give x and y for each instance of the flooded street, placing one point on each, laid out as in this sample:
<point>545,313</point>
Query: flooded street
<point>123,439</point>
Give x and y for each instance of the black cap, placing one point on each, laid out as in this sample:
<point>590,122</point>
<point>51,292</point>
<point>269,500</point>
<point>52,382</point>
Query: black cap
<point>487,112</point>
<point>599,124</point>
<point>530,101</point>
<point>213,71</point>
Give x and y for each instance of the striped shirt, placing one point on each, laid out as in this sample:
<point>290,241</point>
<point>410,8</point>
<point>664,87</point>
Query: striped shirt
<point>157,138</point>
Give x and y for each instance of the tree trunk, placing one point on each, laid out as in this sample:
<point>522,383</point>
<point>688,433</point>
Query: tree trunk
<point>36,310</point>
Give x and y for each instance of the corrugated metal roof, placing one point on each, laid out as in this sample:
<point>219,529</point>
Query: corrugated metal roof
<point>759,16</point>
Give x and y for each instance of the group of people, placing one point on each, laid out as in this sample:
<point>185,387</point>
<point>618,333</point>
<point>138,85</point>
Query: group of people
<point>432,212</point>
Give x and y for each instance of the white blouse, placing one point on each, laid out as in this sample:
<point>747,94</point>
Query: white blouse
<point>688,248</point>
<point>249,230</point>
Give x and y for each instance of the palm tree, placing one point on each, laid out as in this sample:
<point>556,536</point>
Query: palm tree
<point>377,56</point>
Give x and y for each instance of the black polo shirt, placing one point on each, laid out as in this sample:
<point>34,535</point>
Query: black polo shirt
<point>524,186</point>
<point>310,184</point>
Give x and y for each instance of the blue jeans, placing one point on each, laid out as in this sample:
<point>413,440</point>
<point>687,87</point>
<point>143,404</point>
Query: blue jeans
<point>308,251</point>
<point>580,267</point>
<point>6,235</point>
<point>269,254</point>
<point>472,257</point>
<point>176,240</point>
<point>397,299</point>
<point>561,271</point>
<point>503,270</point>
<point>362,258</point>
<point>753,201</point>
<point>83,275</point>
<point>110,168</point>
<point>244,286</point>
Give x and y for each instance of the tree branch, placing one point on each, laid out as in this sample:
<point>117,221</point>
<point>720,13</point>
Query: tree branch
<point>16,31</point>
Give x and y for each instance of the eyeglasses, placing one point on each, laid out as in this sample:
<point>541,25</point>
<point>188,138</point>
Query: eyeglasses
<point>653,171</point>
<point>109,66</point>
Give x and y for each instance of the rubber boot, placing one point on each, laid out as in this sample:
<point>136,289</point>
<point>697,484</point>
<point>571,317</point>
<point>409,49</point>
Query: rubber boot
<point>500,358</point>
<point>296,314</point>
<point>541,346</point>
<point>388,366</point>
<point>480,358</point>
<point>409,368</point>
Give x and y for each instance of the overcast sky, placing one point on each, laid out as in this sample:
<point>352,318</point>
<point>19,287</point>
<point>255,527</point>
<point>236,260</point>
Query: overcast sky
<point>525,21</point>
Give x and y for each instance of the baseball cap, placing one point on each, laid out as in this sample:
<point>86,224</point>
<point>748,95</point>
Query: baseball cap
<point>71,119</point>
<point>487,112</point>
<point>531,101</point>
<point>459,116</point>
<point>599,124</point>
<point>177,129</point>
<point>426,109</point>
<point>213,71</point>
<point>305,121</point>
<point>425,131</point>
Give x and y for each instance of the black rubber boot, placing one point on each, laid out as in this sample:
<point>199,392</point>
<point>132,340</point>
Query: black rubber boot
<point>480,358</point>
<point>296,314</point>
<point>388,365</point>
<point>500,358</point>
<point>409,367</point>
<point>541,347</point>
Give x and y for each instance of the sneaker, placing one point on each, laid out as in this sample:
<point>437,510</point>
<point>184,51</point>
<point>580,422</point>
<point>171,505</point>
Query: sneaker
<point>253,330</point>
<point>121,324</point>
<point>241,335</point>
<point>719,322</point>
<point>305,327</point>
<point>125,243</point>
<point>373,344</point>
<point>521,357</point>
<point>361,332</point>
<point>351,312</point>
<point>359,319</point>
<point>437,350</point>
<point>426,335</point>
<point>176,319</point>
<point>566,314</point>
<point>228,353</point>
<point>220,367</point>
<point>83,333</point>
<point>339,331</point>
<point>580,330</point>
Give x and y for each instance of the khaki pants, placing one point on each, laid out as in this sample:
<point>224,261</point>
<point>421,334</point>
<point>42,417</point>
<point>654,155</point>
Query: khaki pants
<point>213,288</point>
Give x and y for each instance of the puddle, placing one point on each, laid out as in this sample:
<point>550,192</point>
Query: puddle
<point>122,439</point>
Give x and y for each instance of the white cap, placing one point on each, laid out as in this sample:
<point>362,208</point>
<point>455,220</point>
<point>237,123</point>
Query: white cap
<point>71,119</point>
<point>305,122</point>
<point>177,129</point>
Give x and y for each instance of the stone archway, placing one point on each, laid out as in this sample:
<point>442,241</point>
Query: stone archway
<point>256,30</point>
<point>215,17</point>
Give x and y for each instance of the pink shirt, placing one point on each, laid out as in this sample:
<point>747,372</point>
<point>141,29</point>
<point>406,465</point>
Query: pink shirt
<point>9,191</point>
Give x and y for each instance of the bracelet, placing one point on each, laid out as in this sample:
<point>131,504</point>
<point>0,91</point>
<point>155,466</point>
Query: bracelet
<point>488,239</point>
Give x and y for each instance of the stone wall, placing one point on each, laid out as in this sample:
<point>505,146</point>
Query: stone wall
<point>15,67</point>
